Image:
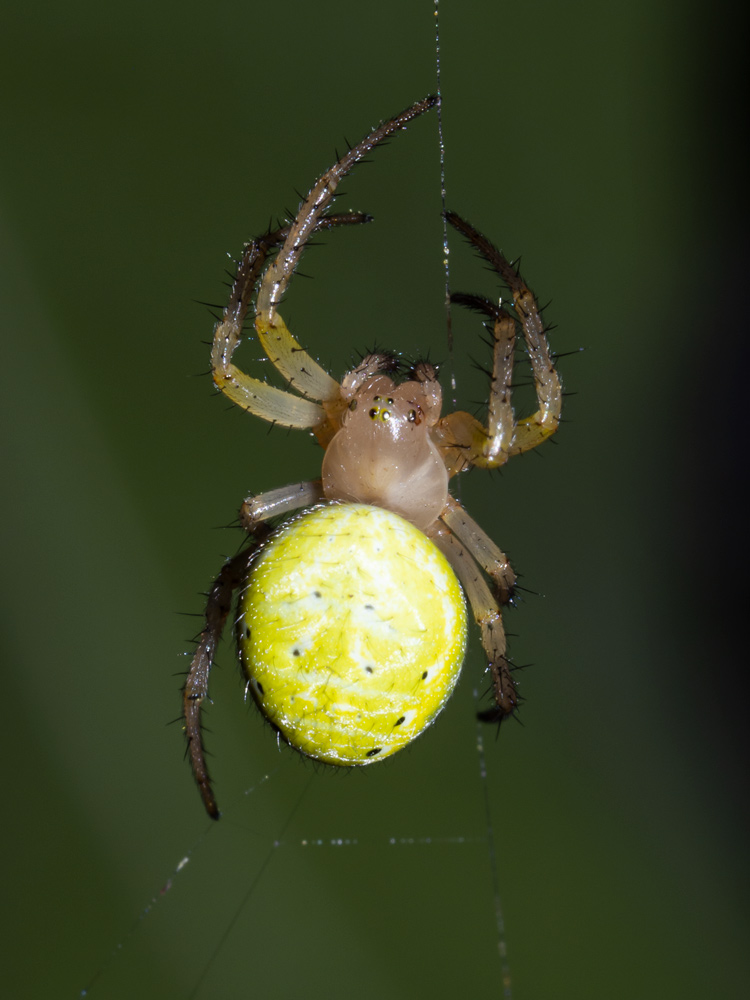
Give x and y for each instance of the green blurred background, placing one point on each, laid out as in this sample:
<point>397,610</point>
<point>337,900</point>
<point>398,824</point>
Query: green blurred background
<point>141,145</point>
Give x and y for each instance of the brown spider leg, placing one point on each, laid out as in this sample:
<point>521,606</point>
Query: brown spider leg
<point>486,615</point>
<point>297,367</point>
<point>462,439</point>
<point>531,431</point>
<point>195,690</point>
<point>277,277</point>
<point>492,559</point>
<point>254,511</point>
<point>252,394</point>
<point>261,508</point>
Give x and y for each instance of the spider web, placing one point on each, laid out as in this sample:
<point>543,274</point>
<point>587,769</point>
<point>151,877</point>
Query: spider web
<point>480,745</point>
<point>282,843</point>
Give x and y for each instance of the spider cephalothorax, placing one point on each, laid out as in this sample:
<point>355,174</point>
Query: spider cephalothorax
<point>350,623</point>
<point>384,453</point>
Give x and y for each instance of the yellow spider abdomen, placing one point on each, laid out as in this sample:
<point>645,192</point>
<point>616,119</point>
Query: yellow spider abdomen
<point>351,631</point>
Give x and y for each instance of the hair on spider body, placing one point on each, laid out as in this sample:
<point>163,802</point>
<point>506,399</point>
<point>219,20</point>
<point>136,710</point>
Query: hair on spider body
<point>351,616</point>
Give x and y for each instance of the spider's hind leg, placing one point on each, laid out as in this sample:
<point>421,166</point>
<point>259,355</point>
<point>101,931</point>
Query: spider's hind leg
<point>492,559</point>
<point>255,511</point>
<point>487,616</point>
<point>218,606</point>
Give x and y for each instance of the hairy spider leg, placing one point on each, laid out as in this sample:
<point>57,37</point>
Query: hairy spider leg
<point>233,575</point>
<point>297,367</point>
<point>492,559</point>
<point>277,277</point>
<point>219,604</point>
<point>272,404</point>
<point>491,446</point>
<point>283,351</point>
<point>463,439</point>
<point>487,616</point>
<point>258,397</point>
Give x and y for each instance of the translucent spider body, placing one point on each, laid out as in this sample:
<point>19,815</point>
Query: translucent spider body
<point>387,448</point>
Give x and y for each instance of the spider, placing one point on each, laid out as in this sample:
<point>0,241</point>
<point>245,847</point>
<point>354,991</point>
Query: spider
<point>351,625</point>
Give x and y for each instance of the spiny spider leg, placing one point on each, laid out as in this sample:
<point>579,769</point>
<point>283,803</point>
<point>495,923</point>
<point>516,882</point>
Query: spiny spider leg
<point>277,276</point>
<point>282,349</point>
<point>298,368</point>
<point>218,606</point>
<point>463,440</point>
<point>486,615</point>
<point>254,395</point>
<point>253,513</point>
<point>500,419</point>
<point>492,559</point>
<point>275,405</point>
<point>288,357</point>
<point>531,431</point>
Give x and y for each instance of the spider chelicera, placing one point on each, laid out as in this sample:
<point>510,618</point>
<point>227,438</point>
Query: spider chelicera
<point>351,625</point>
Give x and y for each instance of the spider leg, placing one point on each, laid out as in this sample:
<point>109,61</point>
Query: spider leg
<point>486,615</point>
<point>261,508</point>
<point>295,364</point>
<point>290,359</point>
<point>254,511</point>
<point>277,277</point>
<point>196,683</point>
<point>195,690</point>
<point>463,439</point>
<point>254,395</point>
<point>492,560</point>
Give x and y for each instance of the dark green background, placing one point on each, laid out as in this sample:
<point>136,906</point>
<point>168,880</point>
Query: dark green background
<point>141,144</point>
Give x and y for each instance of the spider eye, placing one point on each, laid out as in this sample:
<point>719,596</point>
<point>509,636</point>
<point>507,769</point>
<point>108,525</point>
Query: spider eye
<point>353,404</point>
<point>379,412</point>
<point>412,416</point>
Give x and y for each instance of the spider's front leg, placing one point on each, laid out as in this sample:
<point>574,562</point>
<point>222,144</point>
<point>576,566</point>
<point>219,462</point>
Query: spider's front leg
<point>252,394</point>
<point>278,275</point>
<point>463,440</point>
<point>302,373</point>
